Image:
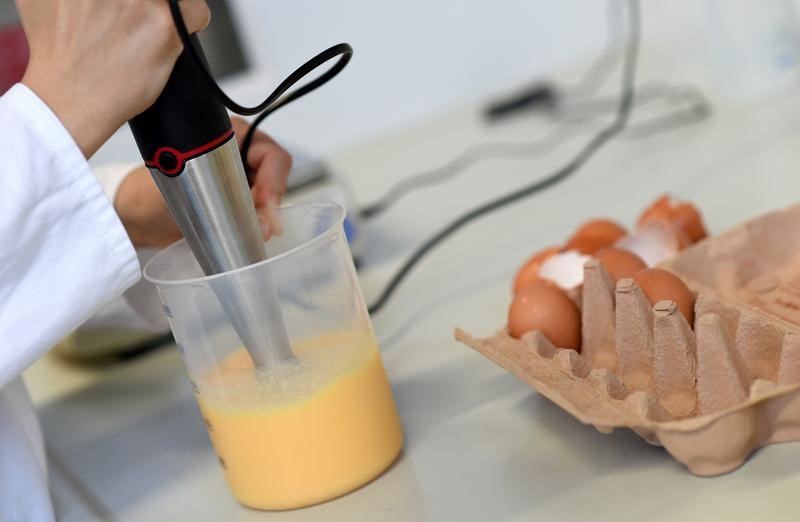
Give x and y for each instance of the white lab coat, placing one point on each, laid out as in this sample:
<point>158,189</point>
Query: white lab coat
<point>63,255</point>
<point>139,308</point>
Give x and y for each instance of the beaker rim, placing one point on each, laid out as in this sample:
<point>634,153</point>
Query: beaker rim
<point>337,222</point>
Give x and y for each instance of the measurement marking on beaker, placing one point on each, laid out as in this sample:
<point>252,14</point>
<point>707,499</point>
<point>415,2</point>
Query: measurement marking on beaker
<point>195,388</point>
<point>222,462</point>
<point>209,427</point>
<point>167,311</point>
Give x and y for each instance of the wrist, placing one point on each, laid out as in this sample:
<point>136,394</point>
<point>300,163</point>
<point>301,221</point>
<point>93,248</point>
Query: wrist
<point>128,204</point>
<point>143,212</point>
<point>79,112</point>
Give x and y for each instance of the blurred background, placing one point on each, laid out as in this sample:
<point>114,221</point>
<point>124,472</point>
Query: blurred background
<point>419,62</point>
<point>415,59</point>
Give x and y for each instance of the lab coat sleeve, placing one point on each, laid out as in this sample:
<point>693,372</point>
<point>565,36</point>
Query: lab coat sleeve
<point>63,251</point>
<point>139,308</point>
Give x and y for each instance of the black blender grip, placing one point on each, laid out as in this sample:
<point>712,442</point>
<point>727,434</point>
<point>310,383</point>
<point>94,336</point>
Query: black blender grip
<point>186,121</point>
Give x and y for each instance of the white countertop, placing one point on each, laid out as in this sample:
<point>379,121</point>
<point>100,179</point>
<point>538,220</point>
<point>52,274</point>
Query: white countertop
<point>480,444</point>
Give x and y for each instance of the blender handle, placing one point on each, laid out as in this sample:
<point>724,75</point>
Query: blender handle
<point>186,120</point>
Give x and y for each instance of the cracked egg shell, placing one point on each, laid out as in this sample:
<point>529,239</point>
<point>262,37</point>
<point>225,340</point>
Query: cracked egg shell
<point>564,269</point>
<point>681,214</point>
<point>529,271</point>
<point>595,235</point>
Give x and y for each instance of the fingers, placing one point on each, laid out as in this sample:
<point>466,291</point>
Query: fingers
<point>240,127</point>
<point>262,146</point>
<point>196,14</point>
<point>271,164</point>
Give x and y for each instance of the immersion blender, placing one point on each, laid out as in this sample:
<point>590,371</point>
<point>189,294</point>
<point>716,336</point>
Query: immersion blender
<point>188,144</point>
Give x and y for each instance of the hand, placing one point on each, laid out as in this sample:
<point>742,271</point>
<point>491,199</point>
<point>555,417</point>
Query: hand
<point>148,221</point>
<point>98,63</point>
<point>270,165</point>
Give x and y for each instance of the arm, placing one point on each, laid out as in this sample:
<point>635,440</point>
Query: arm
<point>139,308</point>
<point>63,250</point>
<point>146,217</point>
<point>99,63</point>
<point>149,225</point>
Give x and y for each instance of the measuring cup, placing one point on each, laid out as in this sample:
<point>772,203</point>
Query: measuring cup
<point>310,427</point>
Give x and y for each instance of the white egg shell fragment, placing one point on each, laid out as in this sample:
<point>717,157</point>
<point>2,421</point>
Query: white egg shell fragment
<point>565,269</point>
<point>653,242</point>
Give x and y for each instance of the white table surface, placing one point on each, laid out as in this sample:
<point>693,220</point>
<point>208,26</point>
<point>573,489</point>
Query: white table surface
<point>480,445</point>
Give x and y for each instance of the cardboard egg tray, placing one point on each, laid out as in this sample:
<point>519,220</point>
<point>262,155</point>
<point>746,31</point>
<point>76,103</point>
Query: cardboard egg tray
<point>711,394</point>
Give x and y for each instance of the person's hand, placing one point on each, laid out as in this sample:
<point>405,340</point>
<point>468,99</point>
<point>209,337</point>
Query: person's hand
<point>148,221</point>
<point>270,165</point>
<point>98,63</point>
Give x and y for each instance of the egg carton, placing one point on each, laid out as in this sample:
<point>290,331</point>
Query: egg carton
<point>710,395</point>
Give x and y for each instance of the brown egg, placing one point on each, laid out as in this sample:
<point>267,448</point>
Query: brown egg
<point>659,284</point>
<point>586,245</point>
<point>619,263</point>
<point>529,272</point>
<point>545,307</point>
<point>594,235</point>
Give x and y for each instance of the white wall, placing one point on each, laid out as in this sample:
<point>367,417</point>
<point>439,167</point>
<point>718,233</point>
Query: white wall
<point>418,57</point>
<point>414,57</point>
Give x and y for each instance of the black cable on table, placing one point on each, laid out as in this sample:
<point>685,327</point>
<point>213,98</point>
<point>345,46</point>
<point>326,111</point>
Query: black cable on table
<point>469,157</point>
<point>596,143</point>
<point>697,108</point>
<point>551,101</point>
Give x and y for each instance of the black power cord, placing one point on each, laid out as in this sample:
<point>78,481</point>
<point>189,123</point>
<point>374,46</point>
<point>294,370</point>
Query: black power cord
<point>626,101</point>
<point>469,157</point>
<point>278,98</point>
<point>696,109</point>
<point>568,108</point>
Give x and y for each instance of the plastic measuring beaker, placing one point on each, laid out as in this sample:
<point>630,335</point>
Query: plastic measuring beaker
<point>308,428</point>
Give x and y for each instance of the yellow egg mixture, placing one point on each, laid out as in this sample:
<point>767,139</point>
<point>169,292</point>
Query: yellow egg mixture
<point>305,433</point>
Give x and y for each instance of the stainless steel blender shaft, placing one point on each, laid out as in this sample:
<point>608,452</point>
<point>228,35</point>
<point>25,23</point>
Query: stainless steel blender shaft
<point>213,207</point>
